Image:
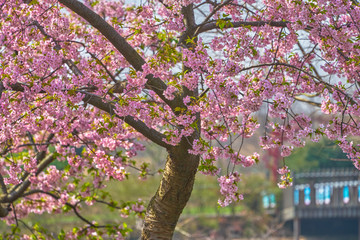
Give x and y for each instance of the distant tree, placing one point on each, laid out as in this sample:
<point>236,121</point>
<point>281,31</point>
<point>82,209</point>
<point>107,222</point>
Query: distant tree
<point>325,154</point>
<point>187,75</point>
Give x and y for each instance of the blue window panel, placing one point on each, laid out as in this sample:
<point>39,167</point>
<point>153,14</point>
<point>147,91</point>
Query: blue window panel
<point>296,197</point>
<point>346,194</point>
<point>321,195</point>
<point>327,194</point>
<point>266,202</point>
<point>307,197</point>
<point>272,201</point>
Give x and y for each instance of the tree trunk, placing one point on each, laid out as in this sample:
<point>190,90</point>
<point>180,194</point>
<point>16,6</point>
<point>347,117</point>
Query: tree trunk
<point>172,195</point>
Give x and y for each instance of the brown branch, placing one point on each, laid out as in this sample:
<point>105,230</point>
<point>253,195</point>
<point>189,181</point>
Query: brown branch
<point>307,101</point>
<point>2,88</point>
<point>98,102</point>
<point>190,24</point>
<point>317,74</point>
<point>3,186</point>
<point>214,25</point>
<point>123,47</point>
<point>330,87</point>
<point>41,155</point>
<point>296,68</point>
<point>108,204</point>
<point>104,67</point>
<point>141,127</point>
<point>73,207</point>
<point>41,29</point>
<point>107,31</point>
<point>31,139</point>
<point>72,67</point>
<point>216,8</point>
<point>18,190</point>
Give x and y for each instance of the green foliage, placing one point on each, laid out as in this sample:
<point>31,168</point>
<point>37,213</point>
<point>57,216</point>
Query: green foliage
<point>324,154</point>
<point>224,22</point>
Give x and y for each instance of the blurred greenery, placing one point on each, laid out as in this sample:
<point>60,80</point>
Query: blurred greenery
<point>314,156</point>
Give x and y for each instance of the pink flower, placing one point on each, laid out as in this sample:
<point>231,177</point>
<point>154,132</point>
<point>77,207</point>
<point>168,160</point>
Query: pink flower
<point>228,188</point>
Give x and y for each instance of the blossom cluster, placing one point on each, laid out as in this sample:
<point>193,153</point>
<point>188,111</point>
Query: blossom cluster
<point>286,180</point>
<point>229,189</point>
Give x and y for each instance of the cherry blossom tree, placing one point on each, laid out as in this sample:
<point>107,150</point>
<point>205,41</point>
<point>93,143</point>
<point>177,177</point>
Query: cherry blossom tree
<point>188,75</point>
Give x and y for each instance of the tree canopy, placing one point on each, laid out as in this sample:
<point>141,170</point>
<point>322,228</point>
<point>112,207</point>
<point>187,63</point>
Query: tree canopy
<point>188,75</point>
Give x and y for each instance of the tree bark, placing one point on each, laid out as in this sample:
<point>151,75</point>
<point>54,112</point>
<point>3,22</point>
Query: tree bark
<point>172,195</point>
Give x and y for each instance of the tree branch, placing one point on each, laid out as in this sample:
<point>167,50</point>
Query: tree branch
<point>2,184</point>
<point>108,31</point>
<point>123,47</point>
<point>141,127</point>
<point>17,192</point>
<point>31,140</point>
<point>327,85</point>
<point>216,8</point>
<point>39,157</point>
<point>2,88</point>
<point>300,99</point>
<point>98,102</point>
<point>214,25</point>
<point>73,207</point>
<point>189,21</point>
